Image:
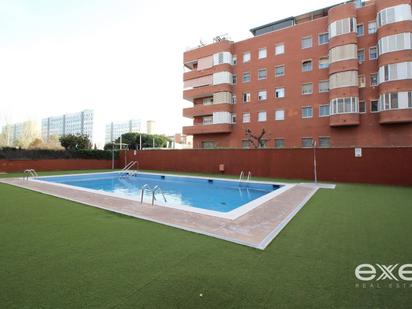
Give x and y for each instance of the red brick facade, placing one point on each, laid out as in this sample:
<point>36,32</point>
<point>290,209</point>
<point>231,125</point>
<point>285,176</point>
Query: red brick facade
<point>386,127</point>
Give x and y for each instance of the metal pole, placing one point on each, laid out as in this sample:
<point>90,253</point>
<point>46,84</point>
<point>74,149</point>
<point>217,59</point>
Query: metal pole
<point>314,162</point>
<point>140,142</point>
<point>112,155</point>
<point>153,143</point>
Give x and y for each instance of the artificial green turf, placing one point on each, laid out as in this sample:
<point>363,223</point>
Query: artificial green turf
<point>59,254</point>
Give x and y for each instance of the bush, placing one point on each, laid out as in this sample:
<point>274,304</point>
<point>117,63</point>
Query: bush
<point>8,153</point>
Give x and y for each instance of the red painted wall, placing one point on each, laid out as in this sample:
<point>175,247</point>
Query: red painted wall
<point>10,166</point>
<point>376,166</point>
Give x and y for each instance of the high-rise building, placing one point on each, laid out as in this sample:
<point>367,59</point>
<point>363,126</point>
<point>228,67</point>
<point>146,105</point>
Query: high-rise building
<point>75,123</point>
<point>20,134</point>
<point>339,76</point>
<point>150,126</point>
<point>116,129</point>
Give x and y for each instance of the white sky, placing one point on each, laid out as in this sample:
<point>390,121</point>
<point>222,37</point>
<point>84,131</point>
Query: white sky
<point>121,58</point>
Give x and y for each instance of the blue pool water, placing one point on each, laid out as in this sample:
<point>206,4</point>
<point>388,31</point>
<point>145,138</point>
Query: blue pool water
<point>217,195</point>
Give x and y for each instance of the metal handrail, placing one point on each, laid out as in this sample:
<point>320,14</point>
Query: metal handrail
<point>242,174</point>
<point>249,176</point>
<point>145,186</point>
<point>30,173</point>
<point>155,189</point>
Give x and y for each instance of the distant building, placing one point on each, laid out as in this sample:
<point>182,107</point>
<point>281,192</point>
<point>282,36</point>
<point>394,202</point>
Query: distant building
<point>116,129</point>
<point>150,127</point>
<point>181,141</point>
<point>23,132</point>
<point>75,123</point>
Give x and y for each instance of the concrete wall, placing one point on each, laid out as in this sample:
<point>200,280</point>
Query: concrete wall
<point>376,166</point>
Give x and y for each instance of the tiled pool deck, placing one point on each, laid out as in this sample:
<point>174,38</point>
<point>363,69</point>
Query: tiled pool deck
<point>256,228</point>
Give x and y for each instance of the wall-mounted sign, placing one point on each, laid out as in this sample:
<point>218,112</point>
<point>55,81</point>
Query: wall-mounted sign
<point>358,152</point>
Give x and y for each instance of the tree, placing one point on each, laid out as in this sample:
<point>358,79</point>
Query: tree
<point>36,144</point>
<point>133,141</point>
<point>75,142</point>
<point>256,141</point>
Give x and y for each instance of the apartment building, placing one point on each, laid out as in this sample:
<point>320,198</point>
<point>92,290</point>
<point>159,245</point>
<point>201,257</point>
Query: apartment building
<point>339,76</point>
<point>74,123</point>
<point>115,129</point>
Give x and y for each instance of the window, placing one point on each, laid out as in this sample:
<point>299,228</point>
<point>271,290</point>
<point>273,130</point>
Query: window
<point>344,52</point>
<point>246,77</point>
<point>307,66</point>
<point>307,142</point>
<point>233,118</point>
<point>234,60</point>
<point>234,79</point>
<point>261,116</point>
<point>374,106</point>
<point>395,71</point>
<point>342,26</point>
<point>390,100</point>
<point>263,143</point>
<point>323,38</point>
<point>262,95</point>
<point>324,110</point>
<point>306,42</point>
<point>280,114</point>
<point>372,27</point>
<point>207,120</point>
<point>373,53</point>
<point>362,81</point>
<point>361,55</point>
<point>344,105</point>
<point>324,142</point>
<point>262,74</point>
<point>280,70</point>
<point>208,145</point>
<point>279,143</point>
<point>246,117</point>
<point>323,86</point>
<point>374,79</point>
<point>343,79</point>
<point>362,107</point>
<point>279,93</point>
<point>307,88</point>
<point>262,53</point>
<point>395,42</point>
<point>280,49</point>
<point>394,14</point>
<point>246,57</point>
<point>246,97</point>
<point>234,99</point>
<point>324,63</point>
<point>245,144</point>
<point>307,112</point>
<point>409,99</point>
<point>208,101</point>
<point>360,30</point>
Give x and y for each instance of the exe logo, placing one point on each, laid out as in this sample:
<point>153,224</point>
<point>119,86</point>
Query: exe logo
<point>368,272</point>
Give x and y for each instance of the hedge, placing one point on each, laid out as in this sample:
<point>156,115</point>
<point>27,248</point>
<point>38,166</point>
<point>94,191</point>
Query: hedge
<point>39,154</point>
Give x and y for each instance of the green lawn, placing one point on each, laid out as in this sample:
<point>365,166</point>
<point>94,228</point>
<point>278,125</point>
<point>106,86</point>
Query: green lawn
<point>59,254</point>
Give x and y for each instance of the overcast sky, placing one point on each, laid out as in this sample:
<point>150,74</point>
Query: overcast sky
<point>121,58</point>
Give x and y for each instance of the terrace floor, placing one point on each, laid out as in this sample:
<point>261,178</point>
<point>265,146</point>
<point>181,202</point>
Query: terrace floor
<point>256,229</point>
<point>56,253</point>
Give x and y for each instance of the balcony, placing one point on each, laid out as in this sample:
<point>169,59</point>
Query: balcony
<point>209,71</point>
<point>208,129</point>
<point>341,120</point>
<point>395,116</point>
<point>202,110</point>
<point>206,91</point>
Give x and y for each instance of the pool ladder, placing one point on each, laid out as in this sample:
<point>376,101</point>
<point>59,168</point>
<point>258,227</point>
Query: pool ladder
<point>30,173</point>
<point>153,190</point>
<point>126,170</point>
<point>242,177</point>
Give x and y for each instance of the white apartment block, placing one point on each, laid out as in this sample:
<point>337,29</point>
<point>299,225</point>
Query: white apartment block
<point>116,129</point>
<point>75,123</point>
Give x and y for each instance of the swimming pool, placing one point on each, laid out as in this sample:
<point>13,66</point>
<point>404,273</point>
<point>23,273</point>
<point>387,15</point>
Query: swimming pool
<point>213,196</point>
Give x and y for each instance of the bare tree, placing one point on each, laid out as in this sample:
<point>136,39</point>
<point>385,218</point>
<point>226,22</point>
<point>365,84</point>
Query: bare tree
<point>256,141</point>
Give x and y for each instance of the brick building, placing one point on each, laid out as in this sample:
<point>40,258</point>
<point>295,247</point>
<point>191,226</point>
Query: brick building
<point>340,76</point>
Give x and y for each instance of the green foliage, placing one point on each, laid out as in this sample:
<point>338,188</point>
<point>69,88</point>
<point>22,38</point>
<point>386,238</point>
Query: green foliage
<point>39,154</point>
<point>133,141</point>
<point>75,142</point>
